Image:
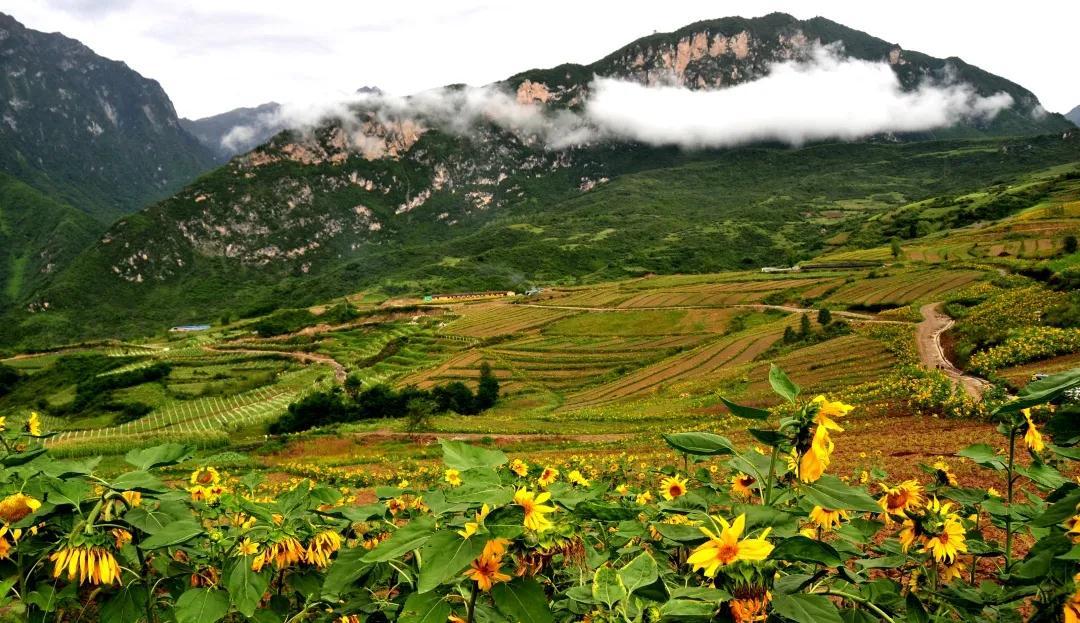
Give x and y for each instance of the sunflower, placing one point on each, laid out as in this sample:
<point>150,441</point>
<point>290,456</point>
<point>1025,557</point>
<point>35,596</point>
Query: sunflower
<point>453,477</point>
<point>548,476</point>
<point>17,506</point>
<point>205,476</point>
<point>750,609</point>
<point>519,467</point>
<point>947,542</point>
<point>122,537</point>
<point>952,571</point>
<point>133,498</point>
<point>726,548</point>
<point>827,519</point>
<point>283,553</point>
<point>909,534</point>
<point>576,477</point>
<point>829,410</point>
<point>33,424</point>
<point>813,462</point>
<point>742,485</point>
<point>643,498</point>
<point>672,487</point>
<point>89,564</point>
<point>486,571</point>
<point>1032,437</point>
<point>247,547</point>
<point>944,474</point>
<point>1072,605</point>
<point>901,498</point>
<point>5,545</point>
<point>321,547</point>
<point>535,510</point>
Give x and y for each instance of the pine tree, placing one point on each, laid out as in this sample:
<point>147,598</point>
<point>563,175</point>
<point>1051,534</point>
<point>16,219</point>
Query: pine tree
<point>488,391</point>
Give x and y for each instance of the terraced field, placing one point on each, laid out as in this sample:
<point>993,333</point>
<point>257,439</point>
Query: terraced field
<point>903,288</point>
<point>701,362</point>
<point>484,320</point>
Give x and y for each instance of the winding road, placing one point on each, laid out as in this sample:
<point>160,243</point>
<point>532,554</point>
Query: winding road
<point>928,339</point>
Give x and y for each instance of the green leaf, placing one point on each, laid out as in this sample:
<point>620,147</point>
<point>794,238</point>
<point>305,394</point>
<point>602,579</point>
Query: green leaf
<point>424,608</point>
<point>152,518</point>
<point>1058,511</point>
<point>201,605</point>
<point>128,605</point>
<point>405,539</point>
<point>174,533</point>
<point>749,413</point>
<point>688,610</point>
<point>347,568</point>
<point>782,385</point>
<point>480,485</point>
<point>506,522</point>
<point>603,511</point>
<point>523,600</point>
<point>700,444</point>
<point>831,493</point>
<point>803,608</point>
<point>246,587</point>
<point>1042,474</point>
<point>460,455</point>
<point>803,549</point>
<point>165,454</point>
<point>138,481</point>
<point>639,573</point>
<point>608,587</point>
<point>445,554</point>
<point>983,455</point>
<point>1042,391</point>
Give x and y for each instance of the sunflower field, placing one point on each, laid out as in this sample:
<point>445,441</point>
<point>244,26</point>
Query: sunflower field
<point>772,535</point>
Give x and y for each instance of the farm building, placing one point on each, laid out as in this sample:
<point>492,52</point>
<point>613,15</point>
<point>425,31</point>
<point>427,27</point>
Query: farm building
<point>458,296</point>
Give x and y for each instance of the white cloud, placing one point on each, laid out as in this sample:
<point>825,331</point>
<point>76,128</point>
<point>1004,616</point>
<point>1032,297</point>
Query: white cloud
<point>826,96</point>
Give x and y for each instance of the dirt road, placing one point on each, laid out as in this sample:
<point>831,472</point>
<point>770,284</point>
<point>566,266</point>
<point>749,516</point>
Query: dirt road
<point>928,340</point>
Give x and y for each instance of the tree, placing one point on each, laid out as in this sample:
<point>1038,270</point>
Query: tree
<point>455,396</point>
<point>353,383</point>
<point>418,414</point>
<point>804,325</point>
<point>824,316</point>
<point>894,246</point>
<point>789,335</point>
<point>487,394</point>
<point>1070,244</point>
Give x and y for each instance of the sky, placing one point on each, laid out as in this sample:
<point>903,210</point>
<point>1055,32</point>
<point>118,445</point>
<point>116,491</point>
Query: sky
<point>214,55</point>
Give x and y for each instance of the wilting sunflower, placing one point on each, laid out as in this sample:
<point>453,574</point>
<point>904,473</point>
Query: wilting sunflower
<point>723,549</point>
<point>742,485</point>
<point>453,477</point>
<point>535,510</point>
<point>519,467</point>
<point>750,608</point>
<point>283,553</point>
<point>89,564</point>
<point>1032,437</point>
<point>815,459</point>
<point>548,476</point>
<point>17,506</point>
<point>827,519</point>
<point>321,547</point>
<point>672,487</point>
<point>133,498</point>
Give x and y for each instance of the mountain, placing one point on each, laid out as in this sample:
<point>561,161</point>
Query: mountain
<point>38,235</point>
<point>1074,115</point>
<point>397,203</point>
<point>236,131</point>
<point>88,131</point>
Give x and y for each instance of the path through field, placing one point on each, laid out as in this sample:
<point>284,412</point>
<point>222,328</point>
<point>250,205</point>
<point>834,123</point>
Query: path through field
<point>928,340</point>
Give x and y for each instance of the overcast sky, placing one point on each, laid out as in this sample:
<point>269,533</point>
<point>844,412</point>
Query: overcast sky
<point>214,55</point>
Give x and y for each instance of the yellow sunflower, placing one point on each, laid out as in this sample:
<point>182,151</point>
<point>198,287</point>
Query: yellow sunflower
<point>725,548</point>
<point>535,509</point>
<point>89,564</point>
<point>672,487</point>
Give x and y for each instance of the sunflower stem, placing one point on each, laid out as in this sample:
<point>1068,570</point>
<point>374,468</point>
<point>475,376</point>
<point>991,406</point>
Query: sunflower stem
<point>866,603</point>
<point>472,603</point>
<point>772,474</point>
<point>1009,498</point>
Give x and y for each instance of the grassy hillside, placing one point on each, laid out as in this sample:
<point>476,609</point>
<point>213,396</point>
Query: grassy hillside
<point>659,211</point>
<point>38,236</point>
